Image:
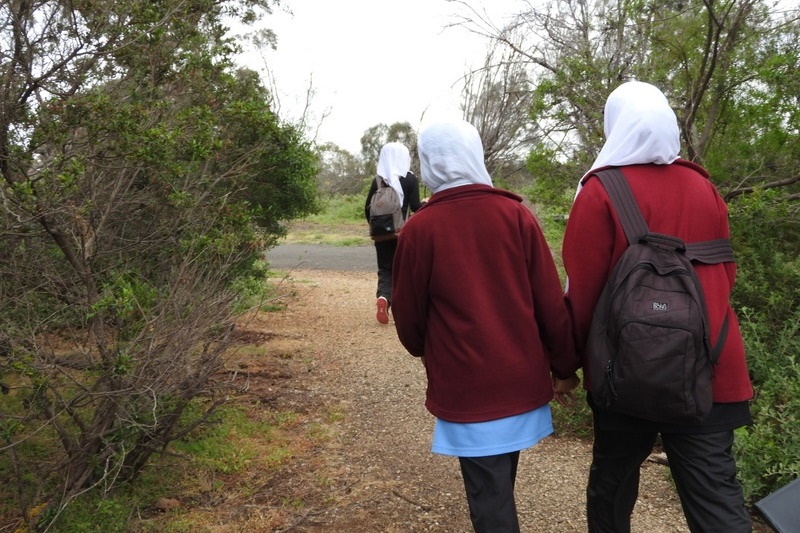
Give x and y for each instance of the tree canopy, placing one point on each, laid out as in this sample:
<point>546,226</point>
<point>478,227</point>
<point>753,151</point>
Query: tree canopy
<point>142,177</point>
<point>729,68</point>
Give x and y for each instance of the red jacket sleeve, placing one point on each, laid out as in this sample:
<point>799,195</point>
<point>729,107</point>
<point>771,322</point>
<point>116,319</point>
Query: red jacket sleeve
<point>588,251</point>
<point>555,328</point>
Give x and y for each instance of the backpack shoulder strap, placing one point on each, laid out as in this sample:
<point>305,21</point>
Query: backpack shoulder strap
<point>616,185</point>
<point>711,252</point>
<point>622,198</point>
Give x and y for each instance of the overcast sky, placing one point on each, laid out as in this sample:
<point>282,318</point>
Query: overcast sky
<point>371,62</point>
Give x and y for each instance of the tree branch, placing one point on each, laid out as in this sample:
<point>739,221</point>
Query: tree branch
<point>773,185</point>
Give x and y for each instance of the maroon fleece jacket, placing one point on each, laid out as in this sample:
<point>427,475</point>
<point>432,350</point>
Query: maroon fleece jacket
<point>675,199</point>
<point>476,292</point>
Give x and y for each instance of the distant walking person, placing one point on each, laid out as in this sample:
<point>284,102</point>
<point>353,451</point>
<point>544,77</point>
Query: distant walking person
<point>394,170</point>
<point>478,299</point>
<point>676,198</point>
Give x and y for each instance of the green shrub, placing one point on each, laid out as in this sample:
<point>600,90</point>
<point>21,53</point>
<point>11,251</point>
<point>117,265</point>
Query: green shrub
<point>768,452</point>
<point>765,235</point>
<point>97,514</point>
<point>576,420</point>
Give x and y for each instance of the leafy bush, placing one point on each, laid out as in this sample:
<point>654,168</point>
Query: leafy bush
<point>766,236</point>
<point>575,420</point>
<point>767,298</point>
<point>141,184</point>
<point>768,452</point>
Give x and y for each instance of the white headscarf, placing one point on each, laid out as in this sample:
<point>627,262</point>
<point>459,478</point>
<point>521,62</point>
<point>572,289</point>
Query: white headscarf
<point>393,164</point>
<point>640,128</point>
<point>451,155</point>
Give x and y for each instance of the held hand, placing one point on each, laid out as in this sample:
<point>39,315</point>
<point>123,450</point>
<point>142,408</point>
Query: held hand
<point>564,390</point>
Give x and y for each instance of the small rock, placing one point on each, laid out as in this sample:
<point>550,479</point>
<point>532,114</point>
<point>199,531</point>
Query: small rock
<point>167,504</point>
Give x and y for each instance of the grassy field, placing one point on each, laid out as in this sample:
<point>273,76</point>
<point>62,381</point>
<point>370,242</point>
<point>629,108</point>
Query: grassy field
<point>336,234</point>
<point>340,222</point>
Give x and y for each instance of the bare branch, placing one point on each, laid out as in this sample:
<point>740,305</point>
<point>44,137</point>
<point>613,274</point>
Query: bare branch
<point>765,186</point>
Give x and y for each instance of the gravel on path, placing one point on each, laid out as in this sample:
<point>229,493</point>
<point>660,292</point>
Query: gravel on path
<point>381,474</point>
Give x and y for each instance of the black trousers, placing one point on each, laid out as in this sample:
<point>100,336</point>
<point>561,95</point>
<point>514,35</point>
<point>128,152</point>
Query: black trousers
<point>702,466</point>
<point>384,251</point>
<point>489,482</point>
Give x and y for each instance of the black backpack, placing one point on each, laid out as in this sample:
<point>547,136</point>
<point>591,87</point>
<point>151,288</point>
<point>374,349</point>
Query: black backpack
<point>385,213</point>
<point>648,350</point>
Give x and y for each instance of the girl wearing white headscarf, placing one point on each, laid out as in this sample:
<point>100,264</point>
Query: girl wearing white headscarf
<point>394,169</point>
<point>394,163</point>
<point>640,128</point>
<point>477,296</point>
<point>676,198</point>
<point>451,155</point>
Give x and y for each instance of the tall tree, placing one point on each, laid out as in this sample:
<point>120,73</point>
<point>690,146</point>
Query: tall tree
<point>142,176</point>
<point>496,100</point>
<point>375,137</point>
<point>340,171</point>
<point>728,67</point>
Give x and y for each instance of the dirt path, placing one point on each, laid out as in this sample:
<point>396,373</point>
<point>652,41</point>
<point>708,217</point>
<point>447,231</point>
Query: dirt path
<point>327,357</point>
